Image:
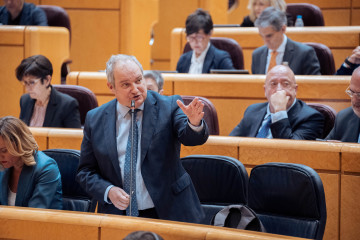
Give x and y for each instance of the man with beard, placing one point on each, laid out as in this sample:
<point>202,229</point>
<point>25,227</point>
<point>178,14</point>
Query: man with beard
<point>347,123</point>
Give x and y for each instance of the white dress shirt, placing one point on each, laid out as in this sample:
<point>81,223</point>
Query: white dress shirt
<point>280,54</point>
<point>197,63</point>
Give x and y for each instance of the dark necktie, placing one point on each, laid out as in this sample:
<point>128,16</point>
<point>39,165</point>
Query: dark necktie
<point>265,128</point>
<point>130,174</point>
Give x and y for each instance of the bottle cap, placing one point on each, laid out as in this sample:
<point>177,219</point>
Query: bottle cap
<point>298,16</point>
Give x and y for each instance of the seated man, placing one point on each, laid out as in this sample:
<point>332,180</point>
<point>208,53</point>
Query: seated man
<point>154,81</point>
<point>204,56</point>
<point>17,12</point>
<point>279,48</point>
<point>283,116</point>
<point>350,63</point>
<point>347,122</point>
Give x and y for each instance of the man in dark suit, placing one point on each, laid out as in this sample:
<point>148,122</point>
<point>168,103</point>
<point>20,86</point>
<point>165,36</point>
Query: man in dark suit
<point>347,122</point>
<point>279,48</point>
<point>163,188</point>
<point>283,116</point>
<point>204,56</point>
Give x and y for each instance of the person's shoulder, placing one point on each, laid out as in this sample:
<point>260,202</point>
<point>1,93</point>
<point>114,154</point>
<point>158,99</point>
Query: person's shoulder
<point>345,112</point>
<point>257,106</point>
<point>307,109</point>
<point>63,97</point>
<point>260,50</point>
<point>300,45</point>
<point>247,22</point>
<point>43,161</point>
<point>219,52</point>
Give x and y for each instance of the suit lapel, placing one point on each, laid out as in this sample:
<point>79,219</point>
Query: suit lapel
<point>353,129</point>
<point>25,179</point>
<point>109,125</point>
<point>51,108</point>
<point>289,52</point>
<point>4,180</point>
<point>150,116</point>
<point>208,59</point>
<point>29,109</point>
<point>257,120</point>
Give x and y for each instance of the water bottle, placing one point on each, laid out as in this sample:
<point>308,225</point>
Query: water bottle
<point>299,21</point>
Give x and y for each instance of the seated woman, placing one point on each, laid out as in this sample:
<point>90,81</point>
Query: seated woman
<point>28,178</point>
<point>256,7</point>
<point>204,56</point>
<point>43,105</point>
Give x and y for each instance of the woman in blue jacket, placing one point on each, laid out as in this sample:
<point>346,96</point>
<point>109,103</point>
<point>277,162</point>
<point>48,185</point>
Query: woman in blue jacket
<point>28,177</point>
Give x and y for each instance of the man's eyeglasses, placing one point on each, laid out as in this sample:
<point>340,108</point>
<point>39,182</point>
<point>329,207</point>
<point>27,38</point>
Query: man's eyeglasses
<point>198,38</point>
<point>351,93</point>
<point>30,83</point>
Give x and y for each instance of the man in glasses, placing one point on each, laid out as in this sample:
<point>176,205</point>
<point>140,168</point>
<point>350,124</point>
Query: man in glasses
<point>283,115</point>
<point>347,123</point>
<point>204,56</point>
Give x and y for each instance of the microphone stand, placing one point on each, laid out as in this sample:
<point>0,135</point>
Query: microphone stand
<point>131,153</point>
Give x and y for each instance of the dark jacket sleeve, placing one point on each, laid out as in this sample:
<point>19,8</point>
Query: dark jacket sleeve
<point>311,63</point>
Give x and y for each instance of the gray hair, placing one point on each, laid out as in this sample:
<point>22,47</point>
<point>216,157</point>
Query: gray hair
<point>271,17</point>
<point>156,76</point>
<point>120,59</point>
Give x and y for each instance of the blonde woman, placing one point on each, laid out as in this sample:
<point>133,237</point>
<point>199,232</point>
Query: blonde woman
<point>256,7</point>
<point>28,178</point>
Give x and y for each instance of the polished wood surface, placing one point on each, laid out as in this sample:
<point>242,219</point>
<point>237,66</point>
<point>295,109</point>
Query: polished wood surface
<point>39,224</point>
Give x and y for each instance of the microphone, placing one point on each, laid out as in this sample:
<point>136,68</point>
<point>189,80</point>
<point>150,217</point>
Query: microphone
<point>131,153</point>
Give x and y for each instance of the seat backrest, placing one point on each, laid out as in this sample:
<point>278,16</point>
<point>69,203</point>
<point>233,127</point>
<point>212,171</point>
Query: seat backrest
<point>329,116</point>
<point>85,97</point>
<point>289,199</point>
<point>229,45</point>
<point>219,181</point>
<point>74,197</point>
<point>56,16</point>
<point>311,14</point>
<point>325,56</point>
<point>210,116</point>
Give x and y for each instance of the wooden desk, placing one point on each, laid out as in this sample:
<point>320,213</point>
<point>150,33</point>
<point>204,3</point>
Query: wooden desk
<point>38,224</point>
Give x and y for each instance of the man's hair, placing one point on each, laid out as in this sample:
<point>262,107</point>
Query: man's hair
<point>120,59</point>
<point>18,139</point>
<point>200,19</point>
<point>38,66</point>
<point>271,17</point>
<point>156,76</point>
<point>143,235</point>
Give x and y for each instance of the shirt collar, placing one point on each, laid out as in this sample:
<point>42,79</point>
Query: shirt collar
<point>281,48</point>
<point>202,56</point>
<point>123,110</point>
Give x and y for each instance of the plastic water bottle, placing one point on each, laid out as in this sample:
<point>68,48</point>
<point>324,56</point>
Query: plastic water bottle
<point>299,21</point>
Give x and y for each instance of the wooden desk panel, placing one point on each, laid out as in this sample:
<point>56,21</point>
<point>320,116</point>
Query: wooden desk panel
<point>341,40</point>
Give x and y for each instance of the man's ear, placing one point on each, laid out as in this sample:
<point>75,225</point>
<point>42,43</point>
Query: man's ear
<point>161,92</point>
<point>283,28</point>
<point>111,87</point>
<point>47,80</point>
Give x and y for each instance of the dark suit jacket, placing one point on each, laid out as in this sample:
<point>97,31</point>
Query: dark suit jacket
<point>346,127</point>
<point>61,111</point>
<point>303,122</point>
<point>302,59</point>
<point>164,128</point>
<point>214,59</point>
<point>31,15</point>
<point>346,71</point>
<point>39,185</point>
